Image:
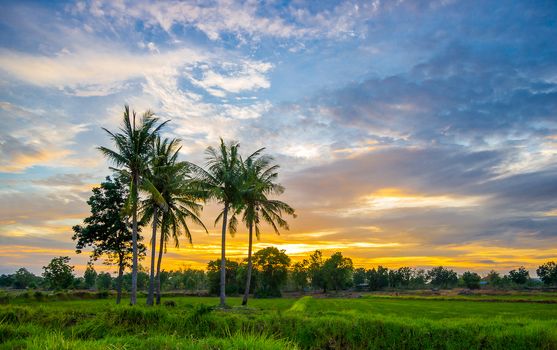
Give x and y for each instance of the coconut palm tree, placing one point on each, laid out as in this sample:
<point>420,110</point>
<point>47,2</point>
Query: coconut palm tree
<point>173,181</point>
<point>133,151</point>
<point>259,181</point>
<point>182,206</point>
<point>162,174</point>
<point>221,181</point>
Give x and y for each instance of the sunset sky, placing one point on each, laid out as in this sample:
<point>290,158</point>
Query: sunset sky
<point>409,133</point>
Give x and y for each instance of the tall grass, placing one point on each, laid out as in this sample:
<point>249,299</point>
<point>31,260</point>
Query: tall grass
<point>200,327</point>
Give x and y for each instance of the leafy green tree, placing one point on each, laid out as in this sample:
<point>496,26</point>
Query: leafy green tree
<point>400,278</point>
<point>442,277</point>
<point>378,278</point>
<point>259,176</point>
<point>58,274</point>
<point>23,279</point>
<point>90,276</point>
<point>134,144</point>
<point>493,279</point>
<point>272,266</point>
<point>6,280</point>
<point>300,275</point>
<point>520,276</point>
<point>193,279</point>
<point>418,279</point>
<point>405,274</point>
<point>78,283</point>
<point>337,272</point>
<point>548,273</point>
<point>107,230</point>
<point>213,276</point>
<point>471,280</point>
<point>315,270</point>
<point>359,277</point>
<point>222,182</point>
<point>103,281</point>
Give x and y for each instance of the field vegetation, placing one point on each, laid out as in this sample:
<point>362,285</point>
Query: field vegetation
<point>368,322</point>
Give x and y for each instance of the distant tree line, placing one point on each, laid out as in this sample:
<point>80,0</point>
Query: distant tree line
<point>273,272</point>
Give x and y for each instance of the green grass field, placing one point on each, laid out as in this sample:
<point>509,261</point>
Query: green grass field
<point>369,322</point>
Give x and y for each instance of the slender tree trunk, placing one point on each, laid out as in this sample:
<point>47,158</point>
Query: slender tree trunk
<point>248,277</point>
<point>120,277</point>
<point>133,294</point>
<point>223,258</point>
<point>161,247</point>
<point>153,250</point>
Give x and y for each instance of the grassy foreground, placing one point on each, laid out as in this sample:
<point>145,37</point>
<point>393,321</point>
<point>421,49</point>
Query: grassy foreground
<point>371,322</point>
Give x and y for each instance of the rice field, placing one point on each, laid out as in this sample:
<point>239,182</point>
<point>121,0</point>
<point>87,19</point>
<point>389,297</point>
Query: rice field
<point>367,322</point>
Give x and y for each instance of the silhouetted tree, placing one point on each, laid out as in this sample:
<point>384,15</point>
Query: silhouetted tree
<point>24,279</point>
<point>89,276</point>
<point>520,276</point>
<point>58,274</point>
<point>548,273</point>
<point>103,281</point>
<point>359,277</point>
<point>378,278</point>
<point>337,271</point>
<point>272,266</point>
<point>299,275</point>
<point>471,280</point>
<point>106,230</point>
<point>315,270</point>
<point>213,275</point>
<point>442,277</point>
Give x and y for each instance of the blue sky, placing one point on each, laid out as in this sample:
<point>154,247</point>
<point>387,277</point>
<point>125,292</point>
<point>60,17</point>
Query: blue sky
<point>409,132</point>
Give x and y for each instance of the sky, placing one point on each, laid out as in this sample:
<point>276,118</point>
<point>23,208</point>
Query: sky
<point>409,133</point>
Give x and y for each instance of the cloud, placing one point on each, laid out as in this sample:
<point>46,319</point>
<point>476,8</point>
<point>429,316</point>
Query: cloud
<point>34,137</point>
<point>248,76</point>
<point>244,19</point>
<point>90,72</point>
<point>429,196</point>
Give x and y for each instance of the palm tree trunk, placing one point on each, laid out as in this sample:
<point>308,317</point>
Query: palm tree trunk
<point>153,250</point>
<point>120,278</point>
<point>223,258</point>
<point>248,277</point>
<point>133,294</point>
<point>161,247</point>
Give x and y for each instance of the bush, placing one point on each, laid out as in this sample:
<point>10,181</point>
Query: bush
<point>169,303</point>
<point>38,295</point>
